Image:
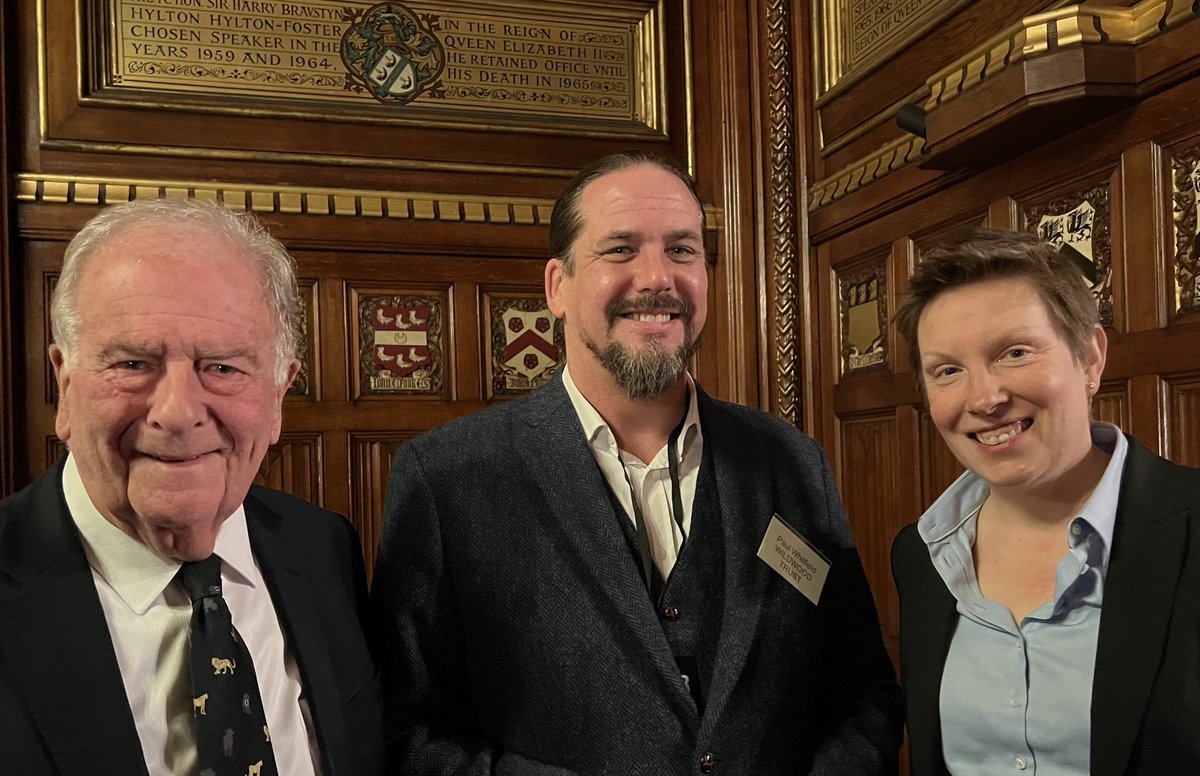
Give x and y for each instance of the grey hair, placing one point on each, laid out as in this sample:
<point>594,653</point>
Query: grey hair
<point>242,230</point>
<point>566,220</point>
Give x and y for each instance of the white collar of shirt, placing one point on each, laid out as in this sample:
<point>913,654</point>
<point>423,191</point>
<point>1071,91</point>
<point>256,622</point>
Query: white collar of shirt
<point>135,572</point>
<point>960,503</point>
<point>601,438</point>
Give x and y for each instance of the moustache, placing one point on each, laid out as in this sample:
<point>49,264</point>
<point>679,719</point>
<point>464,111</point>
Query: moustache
<point>650,303</point>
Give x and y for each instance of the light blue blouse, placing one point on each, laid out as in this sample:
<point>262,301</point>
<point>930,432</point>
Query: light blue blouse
<point>1017,698</point>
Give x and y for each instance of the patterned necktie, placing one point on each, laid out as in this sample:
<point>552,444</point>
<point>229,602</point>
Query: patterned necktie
<point>231,729</point>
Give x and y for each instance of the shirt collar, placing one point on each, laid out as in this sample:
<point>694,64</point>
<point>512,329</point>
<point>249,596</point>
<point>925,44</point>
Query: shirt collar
<point>961,501</point>
<point>1100,510</point>
<point>600,436</point>
<point>136,573</point>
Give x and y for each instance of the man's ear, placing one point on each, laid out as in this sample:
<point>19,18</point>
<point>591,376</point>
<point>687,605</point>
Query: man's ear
<point>62,376</point>
<point>282,388</point>
<point>555,276</point>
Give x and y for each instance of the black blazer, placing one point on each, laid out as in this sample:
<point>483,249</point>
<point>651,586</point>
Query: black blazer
<point>1146,687</point>
<point>63,708</point>
<point>520,639</point>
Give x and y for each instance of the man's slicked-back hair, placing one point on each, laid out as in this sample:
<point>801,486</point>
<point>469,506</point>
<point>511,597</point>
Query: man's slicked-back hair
<point>566,220</point>
<point>242,230</point>
<point>976,255</point>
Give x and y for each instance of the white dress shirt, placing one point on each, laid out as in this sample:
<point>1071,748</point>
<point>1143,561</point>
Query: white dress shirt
<point>148,614</point>
<point>650,483</point>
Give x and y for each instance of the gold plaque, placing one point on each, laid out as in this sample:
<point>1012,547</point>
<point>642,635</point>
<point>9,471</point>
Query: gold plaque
<point>853,37</point>
<point>553,58</point>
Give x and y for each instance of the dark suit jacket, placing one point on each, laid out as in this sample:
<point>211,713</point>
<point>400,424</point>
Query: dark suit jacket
<point>520,638</point>
<point>1146,686</point>
<point>63,708</point>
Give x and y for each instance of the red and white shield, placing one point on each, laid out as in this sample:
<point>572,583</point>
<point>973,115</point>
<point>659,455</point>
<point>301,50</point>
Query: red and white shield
<point>529,341</point>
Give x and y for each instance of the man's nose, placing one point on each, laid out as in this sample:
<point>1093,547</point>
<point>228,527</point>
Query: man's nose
<point>654,273</point>
<point>178,400</point>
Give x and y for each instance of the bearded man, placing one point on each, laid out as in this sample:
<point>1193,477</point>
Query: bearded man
<point>571,583</point>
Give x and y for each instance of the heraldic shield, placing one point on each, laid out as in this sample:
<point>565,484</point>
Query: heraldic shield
<point>389,51</point>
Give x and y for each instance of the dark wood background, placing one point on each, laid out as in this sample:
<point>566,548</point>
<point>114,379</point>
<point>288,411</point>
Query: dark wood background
<point>802,189</point>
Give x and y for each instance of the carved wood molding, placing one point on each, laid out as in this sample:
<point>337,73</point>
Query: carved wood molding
<point>1069,27</point>
<point>268,200</point>
<point>782,222</point>
<point>420,206</point>
<point>1034,36</point>
<point>869,169</point>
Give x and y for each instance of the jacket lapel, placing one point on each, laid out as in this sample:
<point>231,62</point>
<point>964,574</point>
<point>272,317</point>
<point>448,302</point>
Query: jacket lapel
<point>745,514</point>
<point>581,512</point>
<point>1149,542</point>
<point>56,642</point>
<point>926,629</point>
<point>292,591</point>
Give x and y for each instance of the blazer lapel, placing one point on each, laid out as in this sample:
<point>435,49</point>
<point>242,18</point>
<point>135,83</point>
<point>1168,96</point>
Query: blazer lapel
<point>1143,571</point>
<point>56,642</point>
<point>745,514</point>
<point>292,591</point>
<point>581,512</point>
<point>926,629</point>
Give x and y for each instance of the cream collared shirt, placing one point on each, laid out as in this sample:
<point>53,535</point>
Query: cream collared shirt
<point>629,478</point>
<point>148,616</point>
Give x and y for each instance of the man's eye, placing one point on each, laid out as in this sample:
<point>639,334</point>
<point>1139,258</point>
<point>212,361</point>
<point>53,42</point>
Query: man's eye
<point>223,369</point>
<point>131,365</point>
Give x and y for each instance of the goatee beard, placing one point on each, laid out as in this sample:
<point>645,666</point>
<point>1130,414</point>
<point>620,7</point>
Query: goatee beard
<point>646,373</point>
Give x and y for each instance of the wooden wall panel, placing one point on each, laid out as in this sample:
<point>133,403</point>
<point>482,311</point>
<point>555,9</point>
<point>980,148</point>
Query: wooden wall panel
<point>1111,404</point>
<point>1136,166</point>
<point>938,466</point>
<point>294,464</point>
<point>371,455</point>
<point>1184,420</point>
<point>868,466</point>
<point>377,199</point>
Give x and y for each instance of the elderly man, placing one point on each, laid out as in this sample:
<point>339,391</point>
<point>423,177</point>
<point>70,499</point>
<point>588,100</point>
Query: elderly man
<point>572,583</point>
<point>158,614</point>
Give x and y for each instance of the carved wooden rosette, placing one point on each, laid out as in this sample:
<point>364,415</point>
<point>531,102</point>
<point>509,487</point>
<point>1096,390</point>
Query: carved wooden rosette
<point>525,341</point>
<point>400,347</point>
<point>1080,223</point>
<point>1185,213</point>
<point>863,317</point>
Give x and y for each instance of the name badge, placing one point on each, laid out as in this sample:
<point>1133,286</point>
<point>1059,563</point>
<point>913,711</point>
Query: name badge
<point>794,559</point>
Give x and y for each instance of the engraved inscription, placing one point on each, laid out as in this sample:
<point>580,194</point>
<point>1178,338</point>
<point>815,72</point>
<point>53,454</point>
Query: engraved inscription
<point>544,59</point>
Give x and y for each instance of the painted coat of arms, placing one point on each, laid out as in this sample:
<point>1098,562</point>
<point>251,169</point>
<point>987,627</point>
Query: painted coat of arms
<point>393,53</point>
<point>1078,227</point>
<point>400,344</point>
<point>526,344</point>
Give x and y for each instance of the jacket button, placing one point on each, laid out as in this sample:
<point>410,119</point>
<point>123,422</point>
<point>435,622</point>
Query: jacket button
<point>708,763</point>
<point>670,613</point>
